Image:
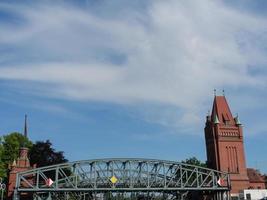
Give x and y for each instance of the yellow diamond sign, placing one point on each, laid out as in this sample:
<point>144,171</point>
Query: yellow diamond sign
<point>113,179</point>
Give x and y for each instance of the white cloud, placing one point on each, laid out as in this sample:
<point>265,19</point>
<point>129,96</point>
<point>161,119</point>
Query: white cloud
<point>172,53</point>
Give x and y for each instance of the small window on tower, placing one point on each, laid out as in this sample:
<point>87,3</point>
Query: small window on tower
<point>225,118</point>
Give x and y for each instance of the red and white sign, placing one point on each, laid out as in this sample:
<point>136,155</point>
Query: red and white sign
<point>49,182</point>
<point>220,182</point>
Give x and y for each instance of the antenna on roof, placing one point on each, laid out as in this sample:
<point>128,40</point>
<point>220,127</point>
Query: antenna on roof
<point>214,92</point>
<point>25,127</point>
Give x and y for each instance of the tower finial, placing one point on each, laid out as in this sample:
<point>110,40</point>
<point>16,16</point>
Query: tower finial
<point>25,127</point>
<point>214,92</point>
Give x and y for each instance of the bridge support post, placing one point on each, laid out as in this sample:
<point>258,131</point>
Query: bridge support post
<point>227,195</point>
<point>16,195</point>
<point>221,195</point>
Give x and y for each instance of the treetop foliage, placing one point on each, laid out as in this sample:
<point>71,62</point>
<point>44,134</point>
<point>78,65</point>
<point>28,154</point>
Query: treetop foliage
<point>43,154</point>
<point>9,150</point>
<point>195,161</point>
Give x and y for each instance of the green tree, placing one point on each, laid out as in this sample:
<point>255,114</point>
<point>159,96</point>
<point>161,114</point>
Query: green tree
<point>43,154</point>
<point>9,150</point>
<point>2,171</point>
<point>195,161</point>
<point>40,153</point>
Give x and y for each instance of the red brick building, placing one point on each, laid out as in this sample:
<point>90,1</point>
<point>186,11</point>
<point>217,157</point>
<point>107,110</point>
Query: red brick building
<point>256,180</point>
<point>19,165</point>
<point>225,148</point>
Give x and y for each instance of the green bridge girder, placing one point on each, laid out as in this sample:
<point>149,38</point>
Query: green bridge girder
<point>121,175</point>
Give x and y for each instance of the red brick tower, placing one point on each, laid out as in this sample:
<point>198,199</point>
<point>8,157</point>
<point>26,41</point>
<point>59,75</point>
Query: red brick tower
<point>19,165</point>
<point>224,144</point>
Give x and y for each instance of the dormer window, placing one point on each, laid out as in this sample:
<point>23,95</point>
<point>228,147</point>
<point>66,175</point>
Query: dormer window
<point>226,119</point>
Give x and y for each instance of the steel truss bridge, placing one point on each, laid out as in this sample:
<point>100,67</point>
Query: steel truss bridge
<point>121,179</point>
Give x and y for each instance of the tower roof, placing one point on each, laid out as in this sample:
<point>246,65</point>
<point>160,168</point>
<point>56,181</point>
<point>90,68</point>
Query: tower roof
<point>222,110</point>
<point>254,175</point>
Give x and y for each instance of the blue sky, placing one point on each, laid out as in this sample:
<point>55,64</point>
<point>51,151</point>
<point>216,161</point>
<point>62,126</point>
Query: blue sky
<point>120,78</point>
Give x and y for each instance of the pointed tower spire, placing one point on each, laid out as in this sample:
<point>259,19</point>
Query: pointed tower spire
<point>222,110</point>
<point>25,127</point>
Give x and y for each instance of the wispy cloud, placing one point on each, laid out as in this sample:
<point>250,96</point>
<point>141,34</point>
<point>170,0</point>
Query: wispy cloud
<point>171,53</point>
